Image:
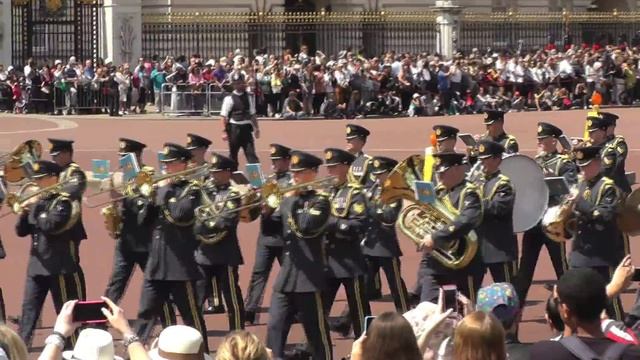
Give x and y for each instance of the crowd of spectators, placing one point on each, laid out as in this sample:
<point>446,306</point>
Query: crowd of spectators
<point>343,85</point>
<point>487,330</point>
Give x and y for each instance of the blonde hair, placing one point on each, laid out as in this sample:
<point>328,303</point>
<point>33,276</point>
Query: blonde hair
<point>12,344</point>
<point>241,345</point>
<point>479,336</point>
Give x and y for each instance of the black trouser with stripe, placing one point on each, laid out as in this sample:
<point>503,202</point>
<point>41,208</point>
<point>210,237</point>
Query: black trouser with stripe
<point>227,278</point>
<point>503,271</point>
<point>309,308</point>
<point>157,292</point>
<point>241,136</point>
<point>3,313</point>
<point>467,284</point>
<point>391,267</point>
<point>532,243</point>
<point>356,291</point>
<point>63,288</point>
<point>265,256</point>
<point>123,264</point>
<point>614,306</point>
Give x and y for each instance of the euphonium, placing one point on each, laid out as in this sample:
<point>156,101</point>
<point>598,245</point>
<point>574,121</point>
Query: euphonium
<point>206,214</point>
<point>418,220</point>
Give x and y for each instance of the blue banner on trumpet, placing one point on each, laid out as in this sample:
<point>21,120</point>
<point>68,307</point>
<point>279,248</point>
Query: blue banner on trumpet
<point>100,168</point>
<point>129,166</point>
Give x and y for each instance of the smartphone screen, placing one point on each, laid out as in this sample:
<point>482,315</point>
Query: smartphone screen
<point>89,312</point>
<point>367,322</point>
<point>450,297</point>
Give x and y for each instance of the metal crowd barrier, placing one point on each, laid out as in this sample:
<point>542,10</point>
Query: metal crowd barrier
<point>215,96</point>
<point>85,97</point>
<point>182,99</point>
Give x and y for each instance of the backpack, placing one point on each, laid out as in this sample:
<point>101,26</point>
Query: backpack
<point>583,352</point>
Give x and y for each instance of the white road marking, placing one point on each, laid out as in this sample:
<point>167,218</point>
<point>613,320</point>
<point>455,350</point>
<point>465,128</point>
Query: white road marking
<point>61,124</point>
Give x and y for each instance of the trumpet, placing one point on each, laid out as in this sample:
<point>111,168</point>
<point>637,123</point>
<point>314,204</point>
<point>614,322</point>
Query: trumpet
<point>269,194</point>
<point>144,183</point>
<point>16,200</point>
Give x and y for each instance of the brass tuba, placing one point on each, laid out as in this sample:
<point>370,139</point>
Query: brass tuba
<point>13,162</point>
<point>417,220</point>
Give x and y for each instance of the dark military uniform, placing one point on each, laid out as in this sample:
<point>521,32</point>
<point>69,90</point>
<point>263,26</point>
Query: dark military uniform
<point>194,142</point>
<point>239,127</point>
<point>53,266</point>
<point>595,210</point>
<point>552,164</point>
<point>219,255</point>
<point>498,242</point>
<point>269,246</point>
<point>345,262</point>
<point>132,245</point>
<point>301,220</point>
<point>360,171</point>
<point>465,199</point>
<point>381,248</point>
<point>171,270</point>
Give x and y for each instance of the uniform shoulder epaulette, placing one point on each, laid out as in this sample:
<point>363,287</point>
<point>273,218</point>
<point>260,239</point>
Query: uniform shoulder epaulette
<point>471,186</point>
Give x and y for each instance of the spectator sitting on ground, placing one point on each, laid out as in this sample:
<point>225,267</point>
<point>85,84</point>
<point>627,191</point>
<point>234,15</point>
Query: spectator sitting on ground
<point>11,346</point>
<point>416,107</point>
<point>178,342</point>
<point>292,107</point>
<point>329,108</point>
<point>242,345</point>
<point>479,336</point>
<point>389,336</point>
<point>501,300</point>
<point>583,298</point>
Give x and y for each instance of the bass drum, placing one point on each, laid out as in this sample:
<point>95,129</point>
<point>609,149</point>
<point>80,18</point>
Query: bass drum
<point>531,190</point>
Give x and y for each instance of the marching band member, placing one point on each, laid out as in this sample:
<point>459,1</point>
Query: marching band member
<point>133,239</point>
<point>463,197</point>
<point>498,242</point>
<point>345,261</point>
<point>52,221</point>
<point>171,271</point>
<point>360,170</point>
<point>198,146</point>
<point>301,219</point>
<point>553,164</point>
<point>494,121</point>
<point>595,209</point>
<point>269,246</point>
<point>381,247</point>
<point>61,152</point>
<point>218,254</point>
<point>446,137</point>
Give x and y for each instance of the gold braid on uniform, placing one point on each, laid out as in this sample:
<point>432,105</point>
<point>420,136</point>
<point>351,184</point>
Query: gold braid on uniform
<point>75,211</point>
<point>296,230</point>
<point>193,185</point>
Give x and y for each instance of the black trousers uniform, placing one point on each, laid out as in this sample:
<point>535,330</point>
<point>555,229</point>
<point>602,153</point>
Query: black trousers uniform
<point>241,137</point>
<point>218,254</point>
<point>238,108</point>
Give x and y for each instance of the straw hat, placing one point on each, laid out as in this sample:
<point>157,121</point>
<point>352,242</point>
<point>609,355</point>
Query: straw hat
<point>92,344</point>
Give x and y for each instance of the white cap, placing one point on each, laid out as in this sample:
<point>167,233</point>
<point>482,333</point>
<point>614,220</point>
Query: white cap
<point>178,340</point>
<point>92,344</point>
<point>57,62</point>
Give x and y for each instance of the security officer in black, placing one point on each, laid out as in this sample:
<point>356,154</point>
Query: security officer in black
<point>198,146</point>
<point>269,246</point>
<point>553,164</point>
<point>61,152</point>
<point>218,254</point>
<point>52,221</point>
<point>360,170</point>
<point>300,219</point>
<point>239,122</point>
<point>171,270</point>
<point>381,248</point>
<point>460,196</point>
<point>345,232</point>
<point>132,244</point>
<point>498,242</point>
<point>595,210</point>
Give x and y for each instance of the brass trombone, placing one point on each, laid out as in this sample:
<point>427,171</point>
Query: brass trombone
<point>144,183</point>
<point>269,194</point>
<point>16,200</point>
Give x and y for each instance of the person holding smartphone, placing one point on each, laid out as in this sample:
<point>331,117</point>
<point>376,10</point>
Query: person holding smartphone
<point>52,221</point>
<point>553,164</point>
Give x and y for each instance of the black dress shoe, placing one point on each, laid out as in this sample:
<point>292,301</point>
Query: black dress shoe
<point>249,317</point>
<point>341,327</point>
<point>218,309</point>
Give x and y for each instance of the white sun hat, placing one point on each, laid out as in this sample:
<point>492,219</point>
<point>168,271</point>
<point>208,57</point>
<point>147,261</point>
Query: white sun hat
<point>92,344</point>
<point>179,341</point>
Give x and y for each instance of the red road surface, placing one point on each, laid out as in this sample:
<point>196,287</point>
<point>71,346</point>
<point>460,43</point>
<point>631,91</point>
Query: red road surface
<point>96,138</point>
